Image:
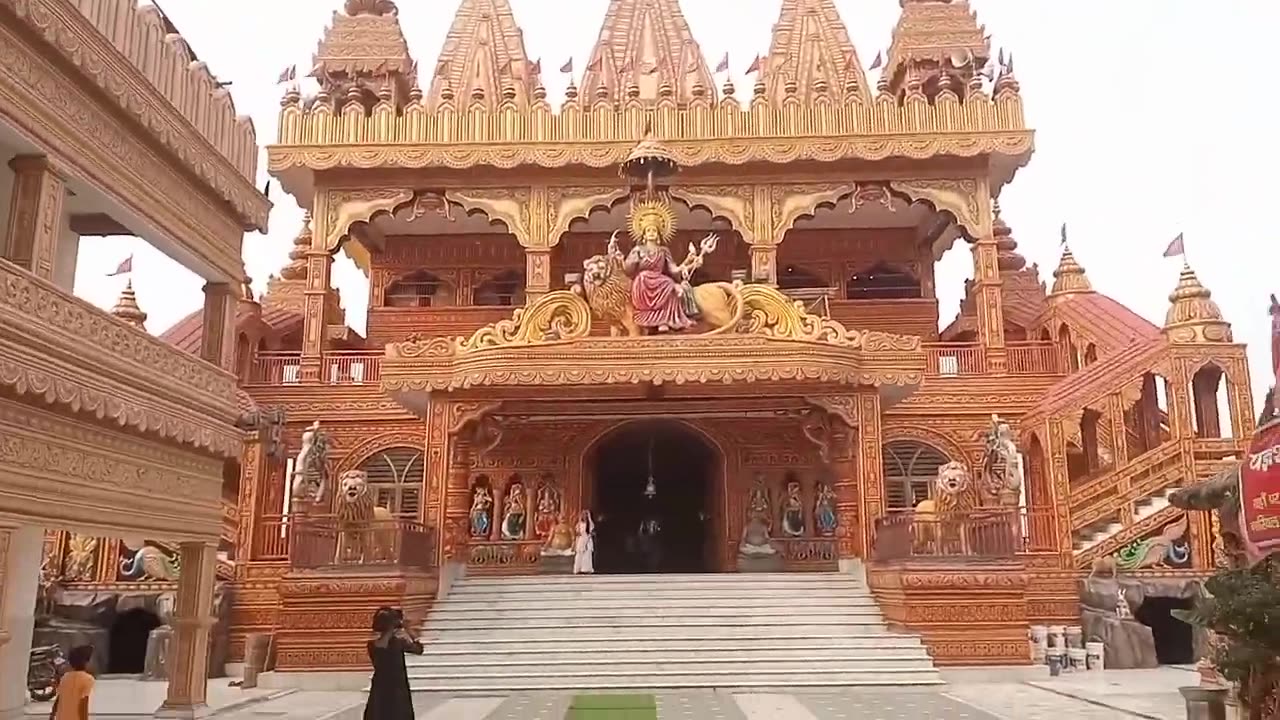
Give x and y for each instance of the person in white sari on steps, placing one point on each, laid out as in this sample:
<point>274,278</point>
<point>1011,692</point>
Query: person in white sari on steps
<point>584,545</point>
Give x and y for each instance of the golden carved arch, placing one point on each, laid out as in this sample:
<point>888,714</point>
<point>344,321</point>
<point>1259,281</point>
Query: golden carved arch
<point>522,209</point>
<point>346,207</point>
<point>959,197</point>
<point>371,446</point>
<point>735,203</point>
<point>939,441</point>
<point>789,203</point>
<point>577,203</point>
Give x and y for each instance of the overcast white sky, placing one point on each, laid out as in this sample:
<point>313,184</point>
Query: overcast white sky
<point>1153,117</point>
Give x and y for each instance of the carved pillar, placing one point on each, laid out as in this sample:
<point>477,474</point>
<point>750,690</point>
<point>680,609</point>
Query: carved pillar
<point>850,533</point>
<point>1240,399</point>
<point>456,500</point>
<point>217,334</point>
<point>252,470</point>
<point>870,464</point>
<point>764,263</point>
<point>315,319</point>
<point>1119,436</point>
<point>192,620</point>
<point>1060,484</point>
<point>21,551</point>
<point>1178,392</point>
<point>537,272</point>
<point>35,214</point>
<point>988,288</point>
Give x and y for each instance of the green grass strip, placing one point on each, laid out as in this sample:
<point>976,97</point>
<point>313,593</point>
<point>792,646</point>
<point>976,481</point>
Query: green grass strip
<point>613,707</point>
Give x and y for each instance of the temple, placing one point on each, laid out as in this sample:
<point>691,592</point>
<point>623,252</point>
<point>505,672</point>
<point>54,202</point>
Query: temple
<point>684,305</point>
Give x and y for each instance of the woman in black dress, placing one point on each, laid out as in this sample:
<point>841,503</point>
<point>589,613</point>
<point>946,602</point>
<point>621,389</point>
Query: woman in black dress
<point>389,696</point>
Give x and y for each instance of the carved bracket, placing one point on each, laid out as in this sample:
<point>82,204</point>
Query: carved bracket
<point>576,203</point>
<point>844,407</point>
<point>522,210</point>
<point>791,202</point>
<point>346,207</point>
<point>736,203</point>
<point>959,197</point>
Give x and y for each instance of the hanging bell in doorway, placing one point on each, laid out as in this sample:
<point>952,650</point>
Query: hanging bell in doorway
<point>650,488</point>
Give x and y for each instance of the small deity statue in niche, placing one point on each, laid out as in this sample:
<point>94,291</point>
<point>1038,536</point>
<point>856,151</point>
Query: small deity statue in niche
<point>548,509</point>
<point>513,516</point>
<point>793,510</point>
<point>481,511</point>
<point>824,510</point>
<point>559,539</point>
<point>758,504</point>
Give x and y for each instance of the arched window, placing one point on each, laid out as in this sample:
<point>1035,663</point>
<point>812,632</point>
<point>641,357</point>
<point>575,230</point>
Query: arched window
<point>417,289</point>
<point>882,282</point>
<point>505,289</point>
<point>910,467</point>
<point>396,476</point>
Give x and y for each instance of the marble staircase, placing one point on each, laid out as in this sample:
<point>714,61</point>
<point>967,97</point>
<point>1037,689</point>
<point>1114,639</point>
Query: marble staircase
<point>663,631</point>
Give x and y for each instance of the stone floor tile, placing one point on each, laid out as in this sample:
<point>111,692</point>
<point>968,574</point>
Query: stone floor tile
<point>772,706</point>
<point>878,704</point>
<point>1009,701</point>
<point>533,706</point>
<point>464,709</point>
<point>697,705</point>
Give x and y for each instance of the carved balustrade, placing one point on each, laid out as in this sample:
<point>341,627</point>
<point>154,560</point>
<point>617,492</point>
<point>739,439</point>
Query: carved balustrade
<point>1034,357</point>
<point>338,367</point>
<point>983,533</point>
<point>1117,491</point>
<point>970,359</point>
<point>270,538</point>
<point>328,542</point>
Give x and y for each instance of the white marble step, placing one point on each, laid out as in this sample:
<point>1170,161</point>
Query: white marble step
<point>606,613</point>
<point>582,666</point>
<point>746,598</point>
<point>591,641</point>
<point>798,578</point>
<point>728,621</point>
<point>731,678</point>
<point>533,655</point>
<point>780,588</point>
<point>524,632</point>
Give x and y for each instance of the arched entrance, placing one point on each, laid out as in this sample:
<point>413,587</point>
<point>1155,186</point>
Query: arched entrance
<point>669,530</point>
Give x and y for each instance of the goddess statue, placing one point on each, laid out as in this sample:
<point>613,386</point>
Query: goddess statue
<point>513,516</point>
<point>481,511</point>
<point>661,296</point>
<point>824,510</point>
<point>758,500</point>
<point>548,509</point>
<point>793,510</point>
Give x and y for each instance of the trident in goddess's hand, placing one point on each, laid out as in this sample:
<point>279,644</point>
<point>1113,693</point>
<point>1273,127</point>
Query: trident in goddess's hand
<point>697,254</point>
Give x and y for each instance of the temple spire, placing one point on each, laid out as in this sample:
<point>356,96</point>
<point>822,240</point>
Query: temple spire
<point>645,45</point>
<point>1193,316</point>
<point>1069,278</point>
<point>811,46</point>
<point>484,59</point>
<point>126,308</point>
<point>364,54</point>
<point>297,267</point>
<point>934,38</point>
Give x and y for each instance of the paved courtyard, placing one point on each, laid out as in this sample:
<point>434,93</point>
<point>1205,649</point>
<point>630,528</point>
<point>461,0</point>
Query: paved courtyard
<point>1112,695</point>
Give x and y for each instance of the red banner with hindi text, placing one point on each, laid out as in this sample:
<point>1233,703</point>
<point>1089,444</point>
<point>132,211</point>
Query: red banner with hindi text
<point>1260,489</point>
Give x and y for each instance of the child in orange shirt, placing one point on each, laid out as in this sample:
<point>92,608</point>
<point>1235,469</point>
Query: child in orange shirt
<point>72,701</point>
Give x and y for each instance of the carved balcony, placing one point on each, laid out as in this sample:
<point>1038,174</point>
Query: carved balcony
<point>142,427</point>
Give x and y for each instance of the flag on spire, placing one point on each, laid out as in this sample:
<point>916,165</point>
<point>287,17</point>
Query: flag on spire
<point>567,67</point>
<point>1062,242</point>
<point>1000,57</point>
<point>754,67</point>
<point>536,67</point>
<point>124,268</point>
<point>595,65</point>
<point>289,74</point>
<point>875,64</point>
<point>723,65</point>
<point>1176,248</point>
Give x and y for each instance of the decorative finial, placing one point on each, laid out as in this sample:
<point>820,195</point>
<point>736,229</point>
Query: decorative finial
<point>539,92</point>
<point>1007,82</point>
<point>415,93</point>
<point>790,87</point>
<point>1069,278</point>
<point>760,88</point>
<point>127,309</point>
<point>633,91</point>
<point>882,86</point>
<point>508,93</point>
<point>1193,316</point>
<point>477,94</point>
<point>820,86</point>
<point>727,90</point>
<point>571,92</point>
<point>602,92</point>
<point>446,93</point>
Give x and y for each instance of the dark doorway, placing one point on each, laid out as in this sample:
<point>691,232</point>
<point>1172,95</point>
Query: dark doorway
<point>667,532</point>
<point>128,643</point>
<point>1174,639</point>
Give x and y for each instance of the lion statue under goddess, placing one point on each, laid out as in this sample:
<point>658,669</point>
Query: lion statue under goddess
<point>645,290</point>
<point>366,531</point>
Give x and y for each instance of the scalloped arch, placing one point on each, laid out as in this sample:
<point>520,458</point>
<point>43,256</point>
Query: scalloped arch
<point>921,434</point>
<point>367,448</point>
<point>956,197</point>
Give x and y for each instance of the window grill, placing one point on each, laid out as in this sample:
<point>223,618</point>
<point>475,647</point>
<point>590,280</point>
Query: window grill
<point>910,467</point>
<point>396,478</point>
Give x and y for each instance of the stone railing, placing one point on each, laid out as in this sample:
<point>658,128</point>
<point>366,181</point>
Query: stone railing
<point>970,359</point>
<point>326,542</point>
<point>135,56</point>
<point>338,367</point>
<point>74,355</point>
<point>981,533</point>
<point>848,127</point>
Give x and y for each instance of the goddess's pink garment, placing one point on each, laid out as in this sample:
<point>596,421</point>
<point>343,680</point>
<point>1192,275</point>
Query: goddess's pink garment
<point>655,295</point>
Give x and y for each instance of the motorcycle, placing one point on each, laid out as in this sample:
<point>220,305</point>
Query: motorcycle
<point>44,671</point>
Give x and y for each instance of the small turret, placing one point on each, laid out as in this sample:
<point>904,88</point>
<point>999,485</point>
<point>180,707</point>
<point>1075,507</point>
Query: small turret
<point>126,308</point>
<point>1193,316</point>
<point>1069,278</point>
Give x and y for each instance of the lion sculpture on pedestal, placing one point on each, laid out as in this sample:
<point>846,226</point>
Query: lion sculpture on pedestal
<point>366,532</point>
<point>950,495</point>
